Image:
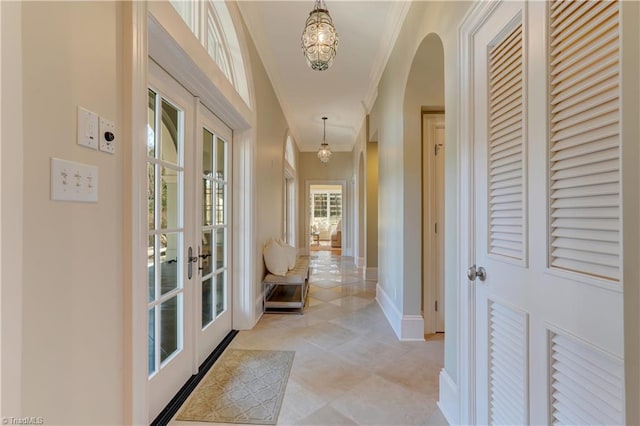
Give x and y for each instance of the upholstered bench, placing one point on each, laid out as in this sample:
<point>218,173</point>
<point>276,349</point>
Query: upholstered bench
<point>287,293</point>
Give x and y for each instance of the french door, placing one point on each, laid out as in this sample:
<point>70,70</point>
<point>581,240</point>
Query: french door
<point>170,145</point>
<point>188,235</point>
<point>547,223</point>
<point>214,321</point>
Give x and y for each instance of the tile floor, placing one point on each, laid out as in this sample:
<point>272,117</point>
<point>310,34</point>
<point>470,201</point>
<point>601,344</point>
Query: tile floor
<point>349,367</point>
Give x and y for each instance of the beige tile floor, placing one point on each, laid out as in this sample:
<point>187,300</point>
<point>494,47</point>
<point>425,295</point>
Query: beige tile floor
<point>349,367</point>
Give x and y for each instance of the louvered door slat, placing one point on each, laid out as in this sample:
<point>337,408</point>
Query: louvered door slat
<point>505,176</point>
<point>595,101</point>
<point>587,386</point>
<point>593,41</point>
<point>585,138</point>
<point>602,213</point>
<point>581,234</point>
<point>588,224</point>
<point>587,180</point>
<point>580,37</point>
<point>581,12</point>
<point>507,365</point>
<point>568,78</point>
<point>505,144</point>
<point>579,150</point>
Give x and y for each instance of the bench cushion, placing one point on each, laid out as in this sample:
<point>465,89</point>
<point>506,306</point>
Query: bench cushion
<point>298,274</point>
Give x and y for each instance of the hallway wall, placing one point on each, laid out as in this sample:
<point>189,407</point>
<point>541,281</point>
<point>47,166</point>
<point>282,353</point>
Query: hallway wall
<point>63,279</point>
<point>70,254</point>
<point>398,167</point>
<point>271,134</point>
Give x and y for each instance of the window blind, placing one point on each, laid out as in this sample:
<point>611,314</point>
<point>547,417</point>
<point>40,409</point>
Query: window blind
<point>585,138</point>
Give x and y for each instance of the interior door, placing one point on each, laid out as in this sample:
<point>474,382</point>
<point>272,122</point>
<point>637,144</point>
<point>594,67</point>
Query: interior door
<point>433,229</point>
<point>170,143</point>
<point>213,303</point>
<point>548,296</point>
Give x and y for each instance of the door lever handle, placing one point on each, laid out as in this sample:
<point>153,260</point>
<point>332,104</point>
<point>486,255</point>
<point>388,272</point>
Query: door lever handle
<point>191,259</point>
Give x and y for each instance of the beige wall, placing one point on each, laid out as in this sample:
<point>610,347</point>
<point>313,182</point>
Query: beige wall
<point>271,135</point>
<point>359,193</point>
<point>399,169</point>
<point>11,155</point>
<point>371,255</point>
<point>72,322</point>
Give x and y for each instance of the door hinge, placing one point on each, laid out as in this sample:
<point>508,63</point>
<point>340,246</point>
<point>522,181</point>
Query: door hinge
<point>436,306</point>
<point>436,148</point>
<point>435,228</point>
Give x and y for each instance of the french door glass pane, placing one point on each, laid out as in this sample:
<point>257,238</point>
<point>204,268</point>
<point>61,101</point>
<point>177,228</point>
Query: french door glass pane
<point>152,340</point>
<point>170,262</point>
<point>220,248</point>
<point>207,296</point>
<point>221,158</point>
<point>206,261</point>
<point>170,136</point>
<point>170,197</point>
<point>151,125</point>
<point>220,293</point>
<point>207,152</point>
<point>151,267</point>
<point>207,202</point>
<point>221,190</point>
<point>169,323</point>
<point>165,238</point>
<point>151,196</point>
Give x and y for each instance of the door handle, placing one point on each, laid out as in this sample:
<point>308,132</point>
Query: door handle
<point>191,259</point>
<point>476,272</point>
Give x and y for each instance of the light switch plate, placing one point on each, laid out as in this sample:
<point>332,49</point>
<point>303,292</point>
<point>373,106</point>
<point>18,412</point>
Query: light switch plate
<point>71,181</point>
<point>87,128</point>
<point>106,127</point>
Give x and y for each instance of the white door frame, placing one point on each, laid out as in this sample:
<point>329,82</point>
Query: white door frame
<point>345,210</point>
<point>431,272</point>
<point>471,23</point>
<point>245,303</point>
<point>630,130</point>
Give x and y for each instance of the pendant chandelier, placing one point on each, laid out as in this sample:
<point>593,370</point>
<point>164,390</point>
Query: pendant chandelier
<point>319,38</point>
<point>324,153</point>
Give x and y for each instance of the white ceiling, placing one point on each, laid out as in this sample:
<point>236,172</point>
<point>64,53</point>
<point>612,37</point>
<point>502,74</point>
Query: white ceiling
<point>343,93</point>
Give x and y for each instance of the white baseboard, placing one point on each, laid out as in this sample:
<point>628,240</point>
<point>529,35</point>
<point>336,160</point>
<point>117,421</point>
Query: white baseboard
<point>407,327</point>
<point>448,399</point>
<point>412,328</point>
<point>371,273</point>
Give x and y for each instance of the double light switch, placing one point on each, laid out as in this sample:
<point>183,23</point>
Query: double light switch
<point>96,132</point>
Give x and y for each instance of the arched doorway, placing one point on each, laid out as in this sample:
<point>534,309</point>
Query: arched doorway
<point>424,95</point>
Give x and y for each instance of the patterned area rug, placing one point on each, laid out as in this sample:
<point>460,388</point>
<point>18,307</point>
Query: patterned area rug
<point>243,386</point>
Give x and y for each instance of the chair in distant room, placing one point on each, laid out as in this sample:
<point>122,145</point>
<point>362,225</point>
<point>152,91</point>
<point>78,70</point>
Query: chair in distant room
<point>336,236</point>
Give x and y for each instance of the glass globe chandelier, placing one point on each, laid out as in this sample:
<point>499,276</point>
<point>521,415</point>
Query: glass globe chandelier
<point>319,38</point>
<point>324,153</point>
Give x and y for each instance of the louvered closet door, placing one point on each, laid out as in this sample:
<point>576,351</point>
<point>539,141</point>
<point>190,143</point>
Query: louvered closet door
<point>546,134</point>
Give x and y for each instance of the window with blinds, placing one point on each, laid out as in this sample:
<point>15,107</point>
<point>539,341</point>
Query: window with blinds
<point>585,138</point>
<point>506,147</point>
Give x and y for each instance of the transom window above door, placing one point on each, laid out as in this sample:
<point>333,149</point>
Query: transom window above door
<point>211,23</point>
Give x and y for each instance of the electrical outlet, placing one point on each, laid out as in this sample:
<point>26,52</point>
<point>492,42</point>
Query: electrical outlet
<point>107,136</point>
<point>71,181</point>
<point>87,128</point>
